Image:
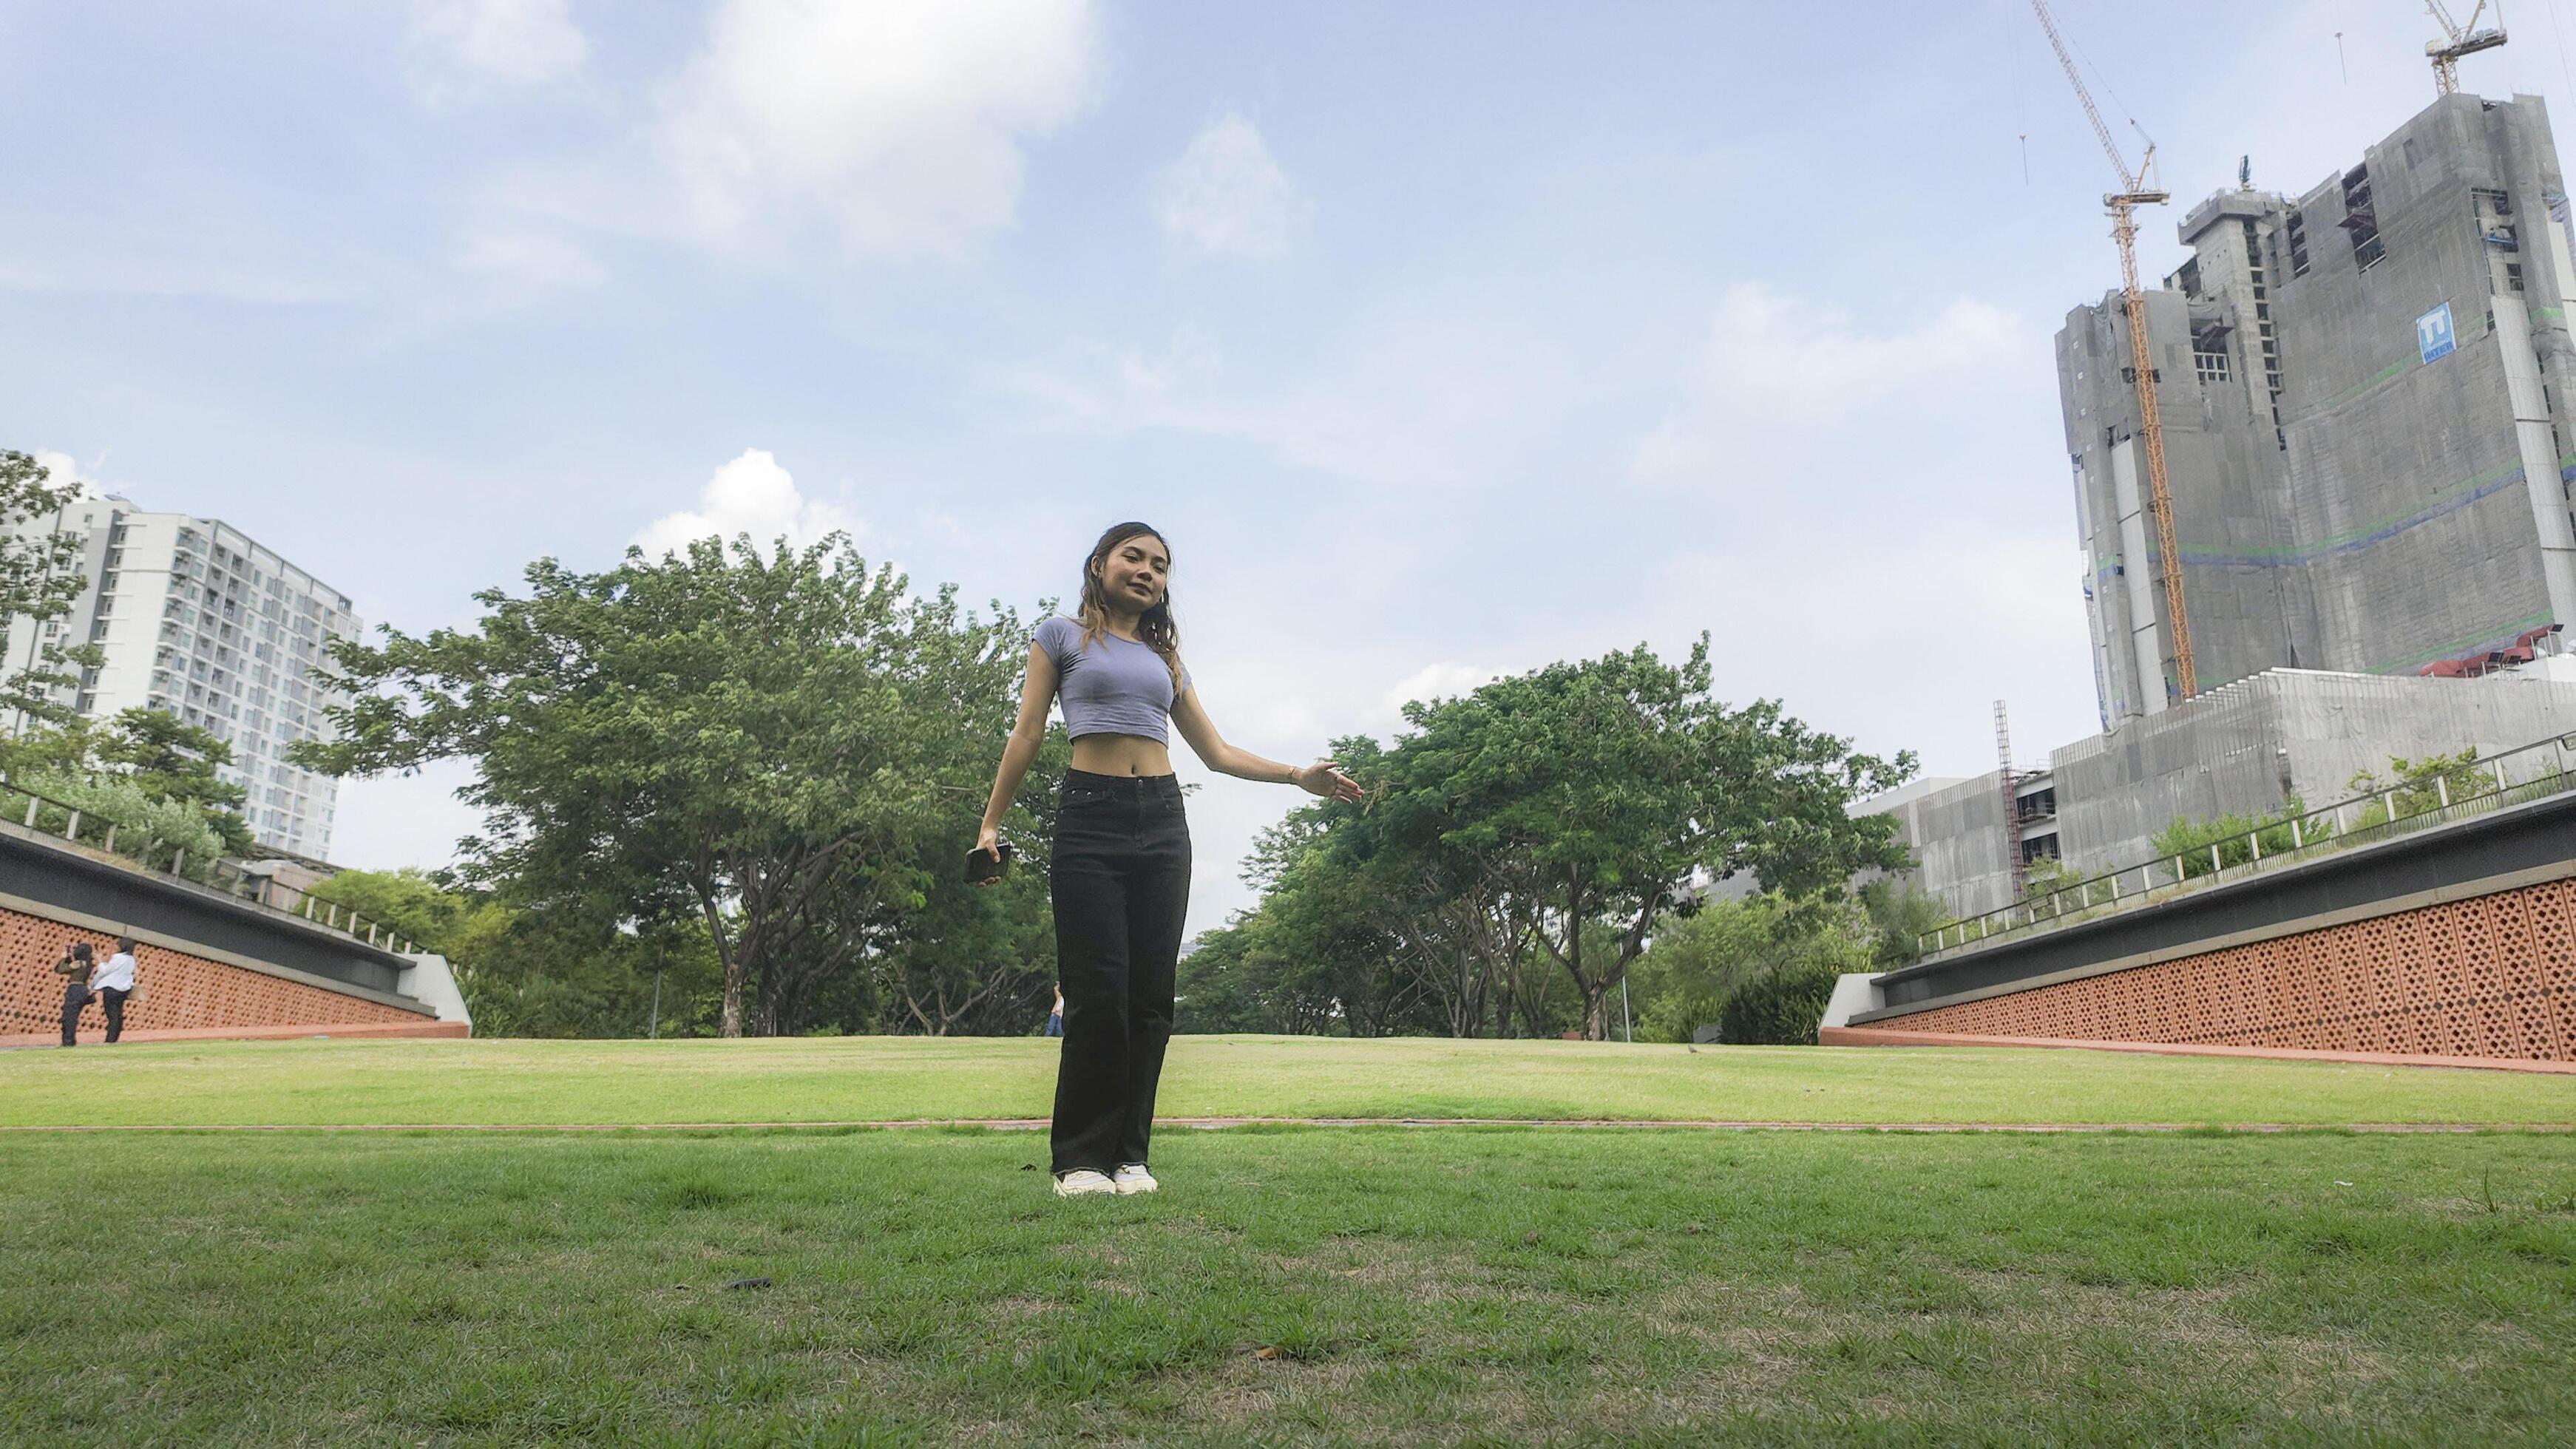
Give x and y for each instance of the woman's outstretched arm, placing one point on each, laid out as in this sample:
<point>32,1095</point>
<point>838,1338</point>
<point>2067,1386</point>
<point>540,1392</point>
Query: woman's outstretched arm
<point>1037,692</point>
<point>1324,777</point>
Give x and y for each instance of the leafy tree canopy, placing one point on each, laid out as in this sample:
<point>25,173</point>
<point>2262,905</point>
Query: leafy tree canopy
<point>758,741</point>
<point>40,580</point>
<point>1539,827</point>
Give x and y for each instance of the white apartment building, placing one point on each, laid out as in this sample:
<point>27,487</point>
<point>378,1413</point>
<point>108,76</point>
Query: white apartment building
<point>197,619</point>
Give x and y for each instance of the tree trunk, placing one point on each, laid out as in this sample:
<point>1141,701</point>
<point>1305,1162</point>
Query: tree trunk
<point>729,954</point>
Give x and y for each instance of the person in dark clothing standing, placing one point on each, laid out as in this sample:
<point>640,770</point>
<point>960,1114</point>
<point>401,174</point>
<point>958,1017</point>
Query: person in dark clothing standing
<point>74,968</point>
<point>1120,874</point>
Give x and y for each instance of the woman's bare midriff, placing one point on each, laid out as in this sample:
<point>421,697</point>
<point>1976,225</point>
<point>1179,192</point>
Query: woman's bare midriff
<point>1121,755</point>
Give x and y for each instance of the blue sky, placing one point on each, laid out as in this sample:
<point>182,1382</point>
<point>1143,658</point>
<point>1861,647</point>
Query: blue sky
<point>1442,339</point>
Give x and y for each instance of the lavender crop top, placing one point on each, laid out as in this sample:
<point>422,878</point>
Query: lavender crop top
<point>1110,686</point>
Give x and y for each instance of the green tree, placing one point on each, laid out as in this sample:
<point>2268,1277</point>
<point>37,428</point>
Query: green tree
<point>170,760</point>
<point>40,580</point>
<point>1594,792</point>
<point>544,973</point>
<point>962,959</point>
<point>2190,841</point>
<point>1696,965</point>
<point>1243,977</point>
<point>2416,786</point>
<point>1901,914</point>
<point>758,741</point>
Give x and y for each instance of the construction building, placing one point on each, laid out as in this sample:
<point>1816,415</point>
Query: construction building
<point>2364,392</point>
<point>196,619</point>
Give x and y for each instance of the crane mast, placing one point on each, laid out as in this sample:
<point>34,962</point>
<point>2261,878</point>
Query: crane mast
<point>2135,192</point>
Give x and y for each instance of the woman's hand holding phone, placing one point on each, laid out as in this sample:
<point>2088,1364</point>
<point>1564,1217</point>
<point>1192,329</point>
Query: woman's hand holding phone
<point>986,862</point>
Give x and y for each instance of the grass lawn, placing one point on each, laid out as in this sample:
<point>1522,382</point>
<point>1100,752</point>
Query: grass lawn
<point>883,1078</point>
<point>1290,1285</point>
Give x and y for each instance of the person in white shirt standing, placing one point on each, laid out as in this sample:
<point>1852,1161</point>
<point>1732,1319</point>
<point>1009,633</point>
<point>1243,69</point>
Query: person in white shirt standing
<point>113,983</point>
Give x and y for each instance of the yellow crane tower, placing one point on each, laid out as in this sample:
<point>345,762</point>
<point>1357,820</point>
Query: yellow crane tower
<point>2134,192</point>
<point>2464,40</point>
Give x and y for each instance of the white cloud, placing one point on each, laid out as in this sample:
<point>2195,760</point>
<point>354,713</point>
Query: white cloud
<point>1777,366</point>
<point>1227,197</point>
<point>528,258</point>
<point>1901,641</point>
<point>752,495</point>
<point>390,821</point>
<point>62,468</point>
<point>898,124</point>
<point>468,45</point>
<point>1432,681</point>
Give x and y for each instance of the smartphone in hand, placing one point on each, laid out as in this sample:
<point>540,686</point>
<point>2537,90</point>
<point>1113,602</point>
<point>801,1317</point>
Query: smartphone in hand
<point>983,867</point>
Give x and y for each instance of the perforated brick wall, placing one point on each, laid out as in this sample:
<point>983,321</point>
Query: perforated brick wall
<point>2493,976</point>
<point>177,990</point>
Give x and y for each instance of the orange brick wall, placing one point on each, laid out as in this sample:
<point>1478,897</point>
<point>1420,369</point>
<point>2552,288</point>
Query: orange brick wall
<point>2493,976</point>
<point>178,990</point>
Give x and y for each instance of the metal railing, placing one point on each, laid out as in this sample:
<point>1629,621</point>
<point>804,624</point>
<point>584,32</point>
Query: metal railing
<point>2528,772</point>
<point>45,815</point>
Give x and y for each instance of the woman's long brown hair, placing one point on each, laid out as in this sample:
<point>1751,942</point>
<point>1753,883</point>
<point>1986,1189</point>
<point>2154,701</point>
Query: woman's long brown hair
<point>1155,627</point>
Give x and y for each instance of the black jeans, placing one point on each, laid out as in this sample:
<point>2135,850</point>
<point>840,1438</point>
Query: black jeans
<point>1120,879</point>
<point>75,996</point>
<point>112,1001</point>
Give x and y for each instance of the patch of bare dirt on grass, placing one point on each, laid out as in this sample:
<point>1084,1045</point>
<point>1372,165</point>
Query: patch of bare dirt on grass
<point>1248,1396</point>
<point>1386,1264</point>
<point>1019,1309</point>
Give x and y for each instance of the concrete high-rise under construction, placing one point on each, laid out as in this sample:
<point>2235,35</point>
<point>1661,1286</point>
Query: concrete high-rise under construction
<point>2365,398</point>
<point>2365,392</point>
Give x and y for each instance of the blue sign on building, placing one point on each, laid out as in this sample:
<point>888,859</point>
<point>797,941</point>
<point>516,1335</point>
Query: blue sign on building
<point>2433,333</point>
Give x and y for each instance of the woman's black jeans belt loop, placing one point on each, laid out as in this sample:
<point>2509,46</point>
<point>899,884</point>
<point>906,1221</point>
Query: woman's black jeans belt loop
<point>1120,880</point>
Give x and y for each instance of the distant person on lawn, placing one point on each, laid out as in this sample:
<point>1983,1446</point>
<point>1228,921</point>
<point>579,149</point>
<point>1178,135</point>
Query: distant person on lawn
<point>75,968</point>
<point>1055,1013</point>
<point>113,983</point>
<point>1120,876</point>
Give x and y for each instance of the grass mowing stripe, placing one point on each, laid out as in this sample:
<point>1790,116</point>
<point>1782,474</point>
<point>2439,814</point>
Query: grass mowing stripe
<point>877,1079</point>
<point>1289,1286</point>
<point>1228,1124</point>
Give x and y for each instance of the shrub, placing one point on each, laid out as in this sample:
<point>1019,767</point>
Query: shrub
<point>1695,964</point>
<point>1781,1009</point>
<point>151,830</point>
<point>2191,840</point>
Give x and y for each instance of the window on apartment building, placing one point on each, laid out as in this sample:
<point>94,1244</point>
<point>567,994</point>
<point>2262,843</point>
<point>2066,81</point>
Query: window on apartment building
<point>2361,219</point>
<point>2209,366</point>
<point>2298,229</point>
<point>2513,275</point>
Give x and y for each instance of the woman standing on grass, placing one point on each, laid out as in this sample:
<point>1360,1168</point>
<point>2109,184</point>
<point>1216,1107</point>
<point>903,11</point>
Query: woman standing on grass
<point>1120,876</point>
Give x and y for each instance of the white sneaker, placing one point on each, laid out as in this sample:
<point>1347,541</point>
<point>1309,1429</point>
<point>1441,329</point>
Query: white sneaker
<point>1082,1182</point>
<point>1134,1178</point>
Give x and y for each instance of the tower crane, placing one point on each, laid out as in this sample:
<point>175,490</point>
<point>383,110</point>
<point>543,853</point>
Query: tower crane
<point>2135,192</point>
<point>2464,40</point>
